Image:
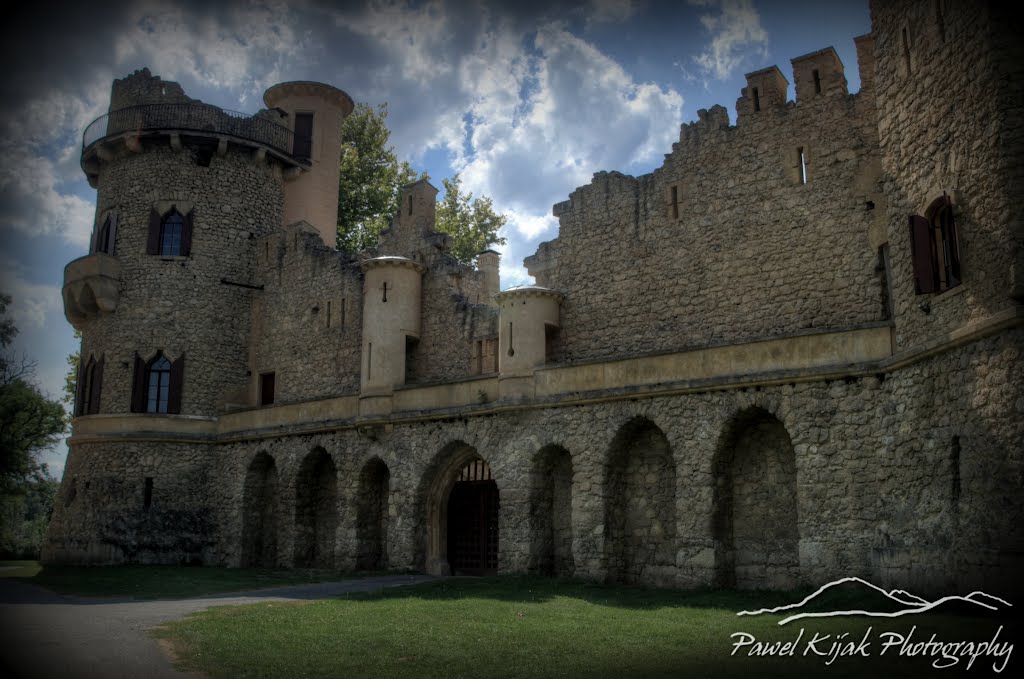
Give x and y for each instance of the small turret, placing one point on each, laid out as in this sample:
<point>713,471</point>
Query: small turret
<point>315,112</point>
<point>528,319</point>
<point>392,309</point>
<point>488,263</point>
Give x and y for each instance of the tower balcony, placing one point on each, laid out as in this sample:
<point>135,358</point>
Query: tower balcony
<point>191,122</point>
<point>90,287</point>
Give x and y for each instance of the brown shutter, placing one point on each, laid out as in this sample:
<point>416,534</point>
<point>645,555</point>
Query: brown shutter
<point>112,238</point>
<point>186,233</point>
<point>139,386</point>
<point>153,241</point>
<point>79,384</point>
<point>923,256</point>
<point>96,387</point>
<point>174,390</point>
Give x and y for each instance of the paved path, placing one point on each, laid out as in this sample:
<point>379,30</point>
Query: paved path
<point>43,634</point>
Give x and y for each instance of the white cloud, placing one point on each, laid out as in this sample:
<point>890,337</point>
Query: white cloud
<point>736,35</point>
<point>31,302</point>
<point>31,200</point>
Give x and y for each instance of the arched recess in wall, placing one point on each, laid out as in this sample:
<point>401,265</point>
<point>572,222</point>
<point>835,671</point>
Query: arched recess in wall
<point>551,513</point>
<point>260,513</point>
<point>316,510</point>
<point>465,517</point>
<point>755,504</point>
<point>640,503</point>
<point>372,516</point>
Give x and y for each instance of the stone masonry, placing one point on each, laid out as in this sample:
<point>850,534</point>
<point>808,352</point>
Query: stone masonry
<point>792,353</point>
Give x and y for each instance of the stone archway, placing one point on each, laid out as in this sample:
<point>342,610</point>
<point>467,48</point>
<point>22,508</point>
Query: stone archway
<point>462,504</point>
<point>551,513</point>
<point>640,505</point>
<point>260,513</point>
<point>316,511</point>
<point>372,516</point>
<point>755,504</point>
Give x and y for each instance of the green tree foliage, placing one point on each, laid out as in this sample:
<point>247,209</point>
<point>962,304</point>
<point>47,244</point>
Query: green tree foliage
<point>371,177</point>
<point>472,223</point>
<point>29,423</point>
<point>71,379</point>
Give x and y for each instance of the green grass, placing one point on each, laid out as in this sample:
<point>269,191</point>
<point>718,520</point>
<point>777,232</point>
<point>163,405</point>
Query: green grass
<point>529,627</point>
<point>156,582</point>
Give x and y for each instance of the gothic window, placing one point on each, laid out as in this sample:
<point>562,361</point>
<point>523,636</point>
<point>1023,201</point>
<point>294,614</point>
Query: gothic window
<point>170,234</point>
<point>302,147</point>
<point>935,249</point>
<point>157,384</point>
<point>106,236</point>
<point>90,382</point>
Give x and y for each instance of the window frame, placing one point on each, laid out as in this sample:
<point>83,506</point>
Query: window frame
<point>142,385</point>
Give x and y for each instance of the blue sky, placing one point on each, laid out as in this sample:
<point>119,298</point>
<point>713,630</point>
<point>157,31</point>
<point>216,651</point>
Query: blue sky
<point>526,100</point>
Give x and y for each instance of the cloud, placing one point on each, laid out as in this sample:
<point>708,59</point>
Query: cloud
<point>32,202</point>
<point>736,35</point>
<point>30,302</point>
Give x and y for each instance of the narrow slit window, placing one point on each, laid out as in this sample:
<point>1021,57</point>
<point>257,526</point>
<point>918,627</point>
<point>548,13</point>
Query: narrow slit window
<point>802,160</point>
<point>675,202</point>
<point>940,20</point>
<point>147,495</point>
<point>342,312</point>
<point>328,313</point>
<point>954,463</point>
<point>757,100</point>
<point>410,204</point>
<point>817,81</point>
<point>369,361</point>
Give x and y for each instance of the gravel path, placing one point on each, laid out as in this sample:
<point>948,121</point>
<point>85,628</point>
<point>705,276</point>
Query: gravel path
<point>50,635</point>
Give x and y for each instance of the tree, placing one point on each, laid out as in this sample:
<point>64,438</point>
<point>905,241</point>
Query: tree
<point>472,223</point>
<point>29,423</point>
<point>71,379</point>
<point>371,177</point>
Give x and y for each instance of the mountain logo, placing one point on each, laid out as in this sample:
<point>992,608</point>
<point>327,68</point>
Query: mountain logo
<point>886,603</point>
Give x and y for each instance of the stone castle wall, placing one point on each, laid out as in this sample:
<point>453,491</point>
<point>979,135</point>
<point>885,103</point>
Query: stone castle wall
<point>951,137</point>
<point>873,486</point>
<point>746,251</point>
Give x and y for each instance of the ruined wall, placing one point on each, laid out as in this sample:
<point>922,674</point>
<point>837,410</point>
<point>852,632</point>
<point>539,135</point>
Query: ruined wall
<point>745,250</point>
<point>949,121</point>
<point>307,320</point>
<point>179,304</point>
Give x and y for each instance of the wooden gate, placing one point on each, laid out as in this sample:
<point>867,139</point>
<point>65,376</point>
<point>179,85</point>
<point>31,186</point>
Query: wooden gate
<point>473,522</point>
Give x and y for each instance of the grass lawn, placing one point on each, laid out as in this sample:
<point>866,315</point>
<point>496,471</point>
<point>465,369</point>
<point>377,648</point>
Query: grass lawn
<point>156,582</point>
<point>530,627</point>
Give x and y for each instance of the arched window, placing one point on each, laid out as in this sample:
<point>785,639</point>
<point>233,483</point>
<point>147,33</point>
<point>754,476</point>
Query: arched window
<point>157,384</point>
<point>935,248</point>
<point>170,234</point>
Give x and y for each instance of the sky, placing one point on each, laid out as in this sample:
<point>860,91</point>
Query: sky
<point>526,100</point>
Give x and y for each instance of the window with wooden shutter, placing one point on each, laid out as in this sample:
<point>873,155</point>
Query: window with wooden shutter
<point>95,386</point>
<point>82,388</point>
<point>947,244</point>
<point>139,386</point>
<point>186,233</point>
<point>174,391</point>
<point>922,252</point>
<point>302,147</point>
<point>153,237</point>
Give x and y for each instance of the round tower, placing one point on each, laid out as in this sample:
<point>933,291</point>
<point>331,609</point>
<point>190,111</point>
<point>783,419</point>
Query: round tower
<point>314,113</point>
<point>527,321</point>
<point>392,308</point>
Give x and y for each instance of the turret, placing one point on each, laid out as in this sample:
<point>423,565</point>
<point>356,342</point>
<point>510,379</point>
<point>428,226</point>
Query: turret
<point>488,264</point>
<point>818,74</point>
<point>528,320</point>
<point>765,90</point>
<point>314,112</point>
<point>392,309</point>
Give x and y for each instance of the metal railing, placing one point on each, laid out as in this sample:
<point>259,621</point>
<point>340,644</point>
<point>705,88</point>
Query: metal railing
<point>189,117</point>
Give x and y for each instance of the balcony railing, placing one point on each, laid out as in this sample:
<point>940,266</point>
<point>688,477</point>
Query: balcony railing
<point>203,119</point>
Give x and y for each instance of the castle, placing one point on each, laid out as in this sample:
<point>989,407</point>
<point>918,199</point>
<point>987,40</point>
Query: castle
<point>791,353</point>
